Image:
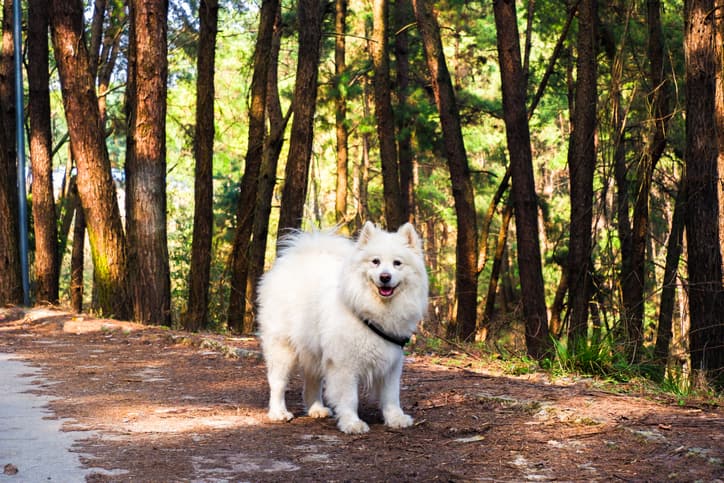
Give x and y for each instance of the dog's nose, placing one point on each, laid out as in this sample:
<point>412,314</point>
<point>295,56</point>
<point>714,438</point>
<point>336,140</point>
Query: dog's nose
<point>385,277</point>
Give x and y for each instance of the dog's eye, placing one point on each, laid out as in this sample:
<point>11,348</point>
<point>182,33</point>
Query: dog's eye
<point>375,261</point>
<point>397,263</point>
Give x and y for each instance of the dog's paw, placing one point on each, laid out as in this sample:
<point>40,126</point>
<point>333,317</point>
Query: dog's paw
<point>319,411</point>
<point>399,420</point>
<point>280,415</point>
<point>352,426</point>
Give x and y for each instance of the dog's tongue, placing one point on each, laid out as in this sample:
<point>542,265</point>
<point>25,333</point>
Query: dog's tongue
<point>386,291</point>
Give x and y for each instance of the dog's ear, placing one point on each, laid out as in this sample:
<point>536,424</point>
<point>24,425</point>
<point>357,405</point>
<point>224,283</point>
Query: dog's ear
<point>411,236</point>
<point>366,233</point>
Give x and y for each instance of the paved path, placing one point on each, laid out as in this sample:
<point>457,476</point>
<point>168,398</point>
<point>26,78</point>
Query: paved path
<point>32,444</point>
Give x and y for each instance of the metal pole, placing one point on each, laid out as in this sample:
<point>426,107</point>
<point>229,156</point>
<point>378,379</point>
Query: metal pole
<point>20,133</point>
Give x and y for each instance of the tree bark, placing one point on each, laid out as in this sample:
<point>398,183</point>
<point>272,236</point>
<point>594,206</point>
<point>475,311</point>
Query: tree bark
<point>76,261</point>
<point>342,79</point>
<point>581,165</point>
<point>629,297</point>
<point>47,269</point>
<point>706,297</point>
<point>95,185</point>
<point>146,163</point>
<point>362,169</point>
<point>384,115</point>
<point>674,248</point>
<point>525,200</point>
<point>489,310</point>
<point>485,229</point>
<point>96,35</point>
<point>296,173</point>
<point>11,287</point>
<point>466,275</point>
<point>252,166</point>
<point>267,176</point>
<point>719,111</point>
<point>197,313</point>
<point>404,17</point>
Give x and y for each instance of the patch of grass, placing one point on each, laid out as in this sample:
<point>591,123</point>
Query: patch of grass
<point>591,359</point>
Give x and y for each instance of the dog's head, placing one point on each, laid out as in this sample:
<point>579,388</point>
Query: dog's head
<point>391,261</point>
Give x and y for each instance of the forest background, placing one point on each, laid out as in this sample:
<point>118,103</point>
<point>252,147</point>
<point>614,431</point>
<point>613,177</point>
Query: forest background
<point>568,204</point>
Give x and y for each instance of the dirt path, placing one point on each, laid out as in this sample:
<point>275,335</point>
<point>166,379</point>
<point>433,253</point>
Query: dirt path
<point>159,405</point>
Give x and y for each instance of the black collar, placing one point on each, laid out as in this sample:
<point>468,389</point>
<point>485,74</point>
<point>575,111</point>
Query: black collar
<point>401,341</point>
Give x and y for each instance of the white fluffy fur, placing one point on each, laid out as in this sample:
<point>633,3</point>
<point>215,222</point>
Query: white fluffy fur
<point>311,306</point>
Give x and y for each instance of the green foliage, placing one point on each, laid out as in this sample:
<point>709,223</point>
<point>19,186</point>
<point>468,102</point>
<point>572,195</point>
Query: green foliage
<point>594,358</point>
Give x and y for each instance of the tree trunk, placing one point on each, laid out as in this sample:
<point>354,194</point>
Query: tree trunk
<point>489,310</point>
<point>47,269</point>
<point>103,53</point>
<point>674,248</point>
<point>95,185</point>
<point>404,17</point>
<point>148,262</point>
<point>385,116</point>
<point>76,261</point>
<point>631,288</point>
<point>197,313</point>
<point>267,176</point>
<point>96,35</point>
<point>362,174</point>
<point>556,323</point>
<point>11,286</point>
<point>525,200</point>
<point>108,50</point>
<point>706,299</point>
<point>485,229</point>
<point>252,166</point>
<point>466,276</point>
<point>719,111</point>
<point>342,80</point>
<point>634,282</point>
<point>581,165</point>
<point>296,174</point>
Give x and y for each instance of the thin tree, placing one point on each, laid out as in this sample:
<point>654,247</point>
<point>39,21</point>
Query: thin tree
<point>581,165</point>
<point>296,173</point>
<point>272,151</point>
<point>404,19</point>
<point>706,296</point>
<point>466,275</point>
<point>674,248</point>
<point>197,313</point>
<point>488,219</point>
<point>77,255</point>
<point>95,184</point>
<point>250,180</point>
<point>341,131</point>
<point>525,200</point>
<point>146,162</point>
<point>489,309</point>
<point>384,115</point>
<point>47,266</point>
<point>11,288</point>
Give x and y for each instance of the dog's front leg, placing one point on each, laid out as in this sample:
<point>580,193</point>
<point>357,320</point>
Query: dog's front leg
<point>313,396</point>
<point>390,399</point>
<point>341,391</point>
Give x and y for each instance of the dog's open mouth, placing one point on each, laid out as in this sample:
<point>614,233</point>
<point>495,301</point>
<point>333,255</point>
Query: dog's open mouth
<point>386,291</point>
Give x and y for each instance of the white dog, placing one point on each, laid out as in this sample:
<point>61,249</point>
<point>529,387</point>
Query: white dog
<point>342,311</point>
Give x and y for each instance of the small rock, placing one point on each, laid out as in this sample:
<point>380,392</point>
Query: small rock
<point>10,469</point>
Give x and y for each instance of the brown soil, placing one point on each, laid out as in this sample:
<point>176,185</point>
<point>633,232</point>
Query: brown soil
<point>160,405</point>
